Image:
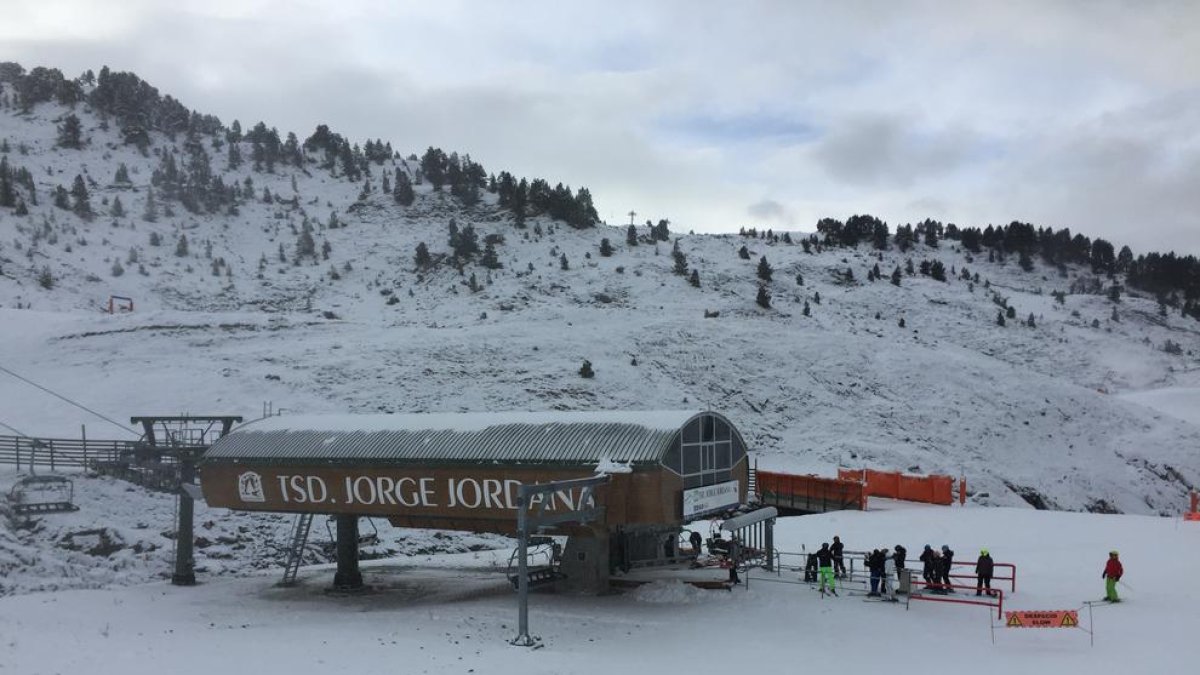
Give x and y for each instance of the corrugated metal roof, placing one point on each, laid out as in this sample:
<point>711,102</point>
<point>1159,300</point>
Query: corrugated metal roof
<point>522,437</point>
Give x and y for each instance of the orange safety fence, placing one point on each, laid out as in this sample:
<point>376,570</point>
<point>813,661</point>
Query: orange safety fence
<point>807,492</point>
<point>1194,514</point>
<point>934,489</point>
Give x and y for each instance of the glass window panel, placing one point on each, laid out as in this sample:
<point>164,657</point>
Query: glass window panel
<point>691,459</point>
<point>710,432</point>
<point>722,431</point>
<point>691,432</point>
<point>724,455</point>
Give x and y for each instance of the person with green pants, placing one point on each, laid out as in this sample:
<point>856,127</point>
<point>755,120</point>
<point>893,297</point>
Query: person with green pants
<point>1112,574</point>
<point>825,568</point>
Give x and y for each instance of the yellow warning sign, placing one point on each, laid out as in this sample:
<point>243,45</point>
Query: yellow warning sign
<point>1057,618</point>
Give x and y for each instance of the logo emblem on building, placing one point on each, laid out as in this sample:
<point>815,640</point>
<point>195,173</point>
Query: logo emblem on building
<point>250,487</point>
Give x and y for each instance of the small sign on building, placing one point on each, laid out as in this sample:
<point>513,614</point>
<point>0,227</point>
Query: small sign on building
<point>710,499</point>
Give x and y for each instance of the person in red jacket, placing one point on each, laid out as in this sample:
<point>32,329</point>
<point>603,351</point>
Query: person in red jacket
<point>1112,574</point>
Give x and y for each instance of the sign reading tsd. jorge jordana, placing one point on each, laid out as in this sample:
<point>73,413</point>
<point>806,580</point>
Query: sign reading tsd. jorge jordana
<point>250,487</point>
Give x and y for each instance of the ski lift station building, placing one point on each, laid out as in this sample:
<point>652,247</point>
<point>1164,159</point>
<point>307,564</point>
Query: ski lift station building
<point>462,471</point>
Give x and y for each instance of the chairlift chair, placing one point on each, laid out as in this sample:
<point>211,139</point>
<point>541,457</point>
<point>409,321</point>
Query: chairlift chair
<point>46,493</point>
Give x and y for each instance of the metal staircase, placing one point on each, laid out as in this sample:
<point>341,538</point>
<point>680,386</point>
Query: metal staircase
<point>752,482</point>
<point>296,549</point>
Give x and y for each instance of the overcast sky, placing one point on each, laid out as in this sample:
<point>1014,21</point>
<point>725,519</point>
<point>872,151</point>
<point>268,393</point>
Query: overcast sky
<point>715,115</point>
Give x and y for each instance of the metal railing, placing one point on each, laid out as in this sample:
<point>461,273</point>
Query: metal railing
<point>994,594</point>
<point>55,453</point>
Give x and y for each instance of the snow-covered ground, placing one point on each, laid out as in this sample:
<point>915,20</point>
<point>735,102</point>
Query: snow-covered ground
<point>456,613</point>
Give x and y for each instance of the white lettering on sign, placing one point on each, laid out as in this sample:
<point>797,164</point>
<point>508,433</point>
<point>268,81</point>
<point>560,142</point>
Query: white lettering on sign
<point>709,498</point>
<point>408,492</point>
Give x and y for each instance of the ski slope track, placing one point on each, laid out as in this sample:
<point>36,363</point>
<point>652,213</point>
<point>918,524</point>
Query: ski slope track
<point>1077,413</point>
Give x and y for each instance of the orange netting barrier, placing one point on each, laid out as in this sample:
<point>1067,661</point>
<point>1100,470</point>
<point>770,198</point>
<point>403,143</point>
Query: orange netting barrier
<point>1194,514</point>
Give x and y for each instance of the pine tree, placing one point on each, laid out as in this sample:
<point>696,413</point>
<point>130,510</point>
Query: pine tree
<point>422,257</point>
<point>562,262</point>
<point>1010,312</point>
<point>799,279</point>
<point>181,246</point>
<point>473,284</point>
<point>70,133</point>
<point>122,175</point>
<point>681,267</point>
<point>817,297</point>
<point>403,191</point>
<point>896,276</point>
<point>807,311</point>
<point>744,253</point>
<point>937,270</point>
<point>631,236</point>
<point>764,297</point>
<point>45,278</point>
<point>606,249</point>
<point>694,279</point>
<point>305,245</point>
<point>901,323</point>
<point>1000,318</point>
<point>1029,322</point>
<point>585,371</point>
<point>150,213</point>
<point>8,196</point>
<point>489,259</point>
<point>118,209</point>
<point>82,205</point>
<point>764,269</point>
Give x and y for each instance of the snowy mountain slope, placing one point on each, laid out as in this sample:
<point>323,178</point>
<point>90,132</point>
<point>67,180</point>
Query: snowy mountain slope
<point>1016,409</point>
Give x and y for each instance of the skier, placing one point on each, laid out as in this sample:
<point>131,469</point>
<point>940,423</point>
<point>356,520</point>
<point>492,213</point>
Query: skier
<point>947,561</point>
<point>889,566</point>
<point>825,568</point>
<point>1111,575</point>
<point>928,558</point>
<point>875,563</point>
<point>839,566</point>
<point>983,573</point>
<point>696,540</point>
<point>900,555</point>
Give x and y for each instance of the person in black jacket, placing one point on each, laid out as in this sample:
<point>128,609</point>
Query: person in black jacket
<point>839,564</point>
<point>947,561</point>
<point>876,562</point>
<point>696,541</point>
<point>983,573</point>
<point>928,570</point>
<point>900,555</point>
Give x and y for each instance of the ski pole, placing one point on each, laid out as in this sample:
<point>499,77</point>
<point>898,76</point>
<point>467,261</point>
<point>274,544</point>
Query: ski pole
<point>1127,586</point>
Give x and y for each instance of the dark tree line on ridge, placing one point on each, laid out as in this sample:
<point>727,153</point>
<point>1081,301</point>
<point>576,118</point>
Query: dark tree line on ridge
<point>137,109</point>
<point>1166,275</point>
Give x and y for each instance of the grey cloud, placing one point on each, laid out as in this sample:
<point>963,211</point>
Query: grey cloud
<point>770,211</point>
<point>880,150</point>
